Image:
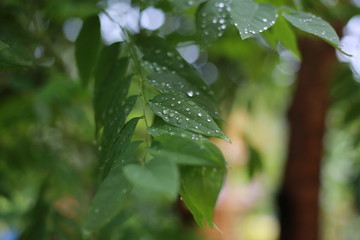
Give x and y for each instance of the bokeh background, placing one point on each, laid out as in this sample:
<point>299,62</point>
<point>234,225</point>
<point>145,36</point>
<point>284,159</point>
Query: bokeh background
<point>48,155</point>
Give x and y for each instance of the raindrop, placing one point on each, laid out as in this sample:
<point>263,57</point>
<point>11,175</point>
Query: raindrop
<point>199,114</point>
<point>171,115</point>
<point>209,120</point>
<point>190,93</point>
<point>264,20</point>
<point>165,111</point>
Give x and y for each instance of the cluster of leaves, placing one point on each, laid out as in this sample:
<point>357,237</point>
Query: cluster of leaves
<point>178,157</point>
<point>175,155</point>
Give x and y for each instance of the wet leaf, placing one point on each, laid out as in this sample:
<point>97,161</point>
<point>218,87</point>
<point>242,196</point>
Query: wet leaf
<point>212,18</point>
<point>181,5</point>
<point>252,18</point>
<point>314,25</point>
<point>3,45</point>
<point>281,32</point>
<point>161,128</point>
<point>186,114</point>
<point>113,146</point>
<point>191,152</point>
<point>174,84</point>
<point>108,200</point>
<point>164,58</point>
<point>199,189</point>
<point>106,61</point>
<point>158,175</point>
<point>87,46</point>
<point>111,93</point>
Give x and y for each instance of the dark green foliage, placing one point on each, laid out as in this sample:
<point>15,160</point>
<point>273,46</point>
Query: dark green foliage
<point>87,47</point>
<point>154,114</point>
<point>255,164</point>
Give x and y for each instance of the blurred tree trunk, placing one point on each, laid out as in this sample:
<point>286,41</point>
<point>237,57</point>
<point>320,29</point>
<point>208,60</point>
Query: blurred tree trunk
<point>299,194</point>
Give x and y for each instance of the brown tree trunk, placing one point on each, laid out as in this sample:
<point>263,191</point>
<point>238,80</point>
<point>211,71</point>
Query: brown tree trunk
<point>299,193</point>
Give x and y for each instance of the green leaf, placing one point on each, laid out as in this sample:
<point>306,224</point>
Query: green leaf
<point>87,46</point>
<point>281,32</point>
<point>158,175</point>
<point>111,92</point>
<point>200,187</point>
<point>3,45</point>
<point>314,25</point>
<point>251,18</point>
<point>186,114</point>
<point>164,58</point>
<point>108,201</point>
<point>181,5</point>
<point>191,152</point>
<point>17,43</point>
<point>212,18</point>
<point>114,146</point>
<point>255,163</point>
<point>174,84</point>
<point>161,128</point>
<point>105,63</point>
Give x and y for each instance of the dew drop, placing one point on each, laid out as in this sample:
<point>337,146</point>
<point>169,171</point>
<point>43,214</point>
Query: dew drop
<point>199,114</point>
<point>171,115</point>
<point>165,111</point>
<point>190,93</point>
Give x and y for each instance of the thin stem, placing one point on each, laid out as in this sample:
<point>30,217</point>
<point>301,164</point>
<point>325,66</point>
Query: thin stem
<point>138,68</point>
